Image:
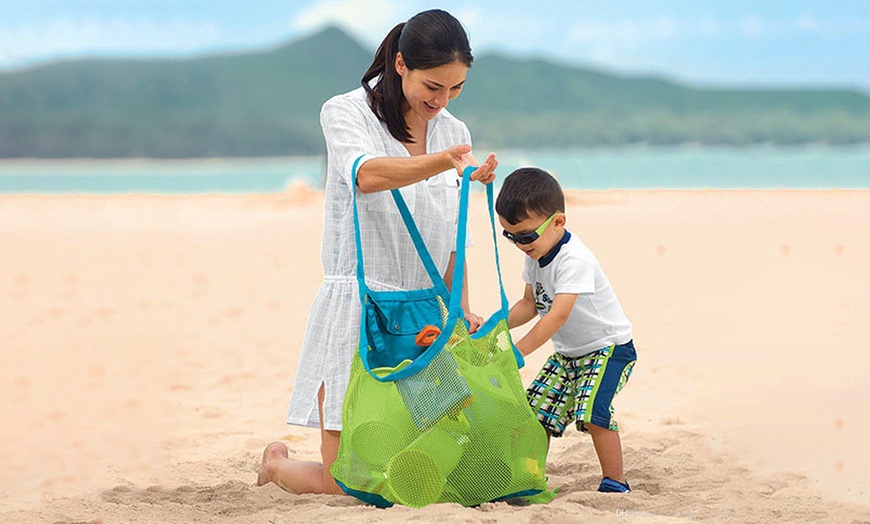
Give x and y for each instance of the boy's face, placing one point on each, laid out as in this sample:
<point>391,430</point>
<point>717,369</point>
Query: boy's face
<point>549,232</point>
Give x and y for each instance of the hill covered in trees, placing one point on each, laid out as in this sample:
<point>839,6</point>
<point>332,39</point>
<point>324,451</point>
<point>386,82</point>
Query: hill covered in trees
<point>267,103</point>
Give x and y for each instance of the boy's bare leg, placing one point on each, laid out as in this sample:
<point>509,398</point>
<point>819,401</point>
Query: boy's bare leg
<point>609,450</point>
<point>302,477</point>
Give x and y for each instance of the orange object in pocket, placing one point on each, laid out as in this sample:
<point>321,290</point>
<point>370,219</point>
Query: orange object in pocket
<point>427,335</point>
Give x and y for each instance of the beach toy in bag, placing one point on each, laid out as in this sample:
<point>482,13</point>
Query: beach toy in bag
<point>432,413</point>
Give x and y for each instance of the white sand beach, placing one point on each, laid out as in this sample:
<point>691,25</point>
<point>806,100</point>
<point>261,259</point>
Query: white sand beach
<point>149,345</point>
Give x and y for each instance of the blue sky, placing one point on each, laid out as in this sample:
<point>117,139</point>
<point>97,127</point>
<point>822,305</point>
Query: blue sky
<point>725,43</point>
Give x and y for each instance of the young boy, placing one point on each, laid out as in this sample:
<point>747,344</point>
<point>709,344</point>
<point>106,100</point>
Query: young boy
<point>578,311</point>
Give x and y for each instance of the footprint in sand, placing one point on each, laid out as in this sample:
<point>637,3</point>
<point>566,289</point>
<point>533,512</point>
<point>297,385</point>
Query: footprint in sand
<point>22,387</point>
<point>661,249</point>
<point>200,283</point>
<point>839,467</point>
<point>230,499</point>
<point>21,283</point>
<point>56,416</point>
<point>785,250</point>
<point>770,488</point>
<point>59,480</point>
<point>70,283</point>
<point>839,250</point>
<point>236,312</point>
<point>130,404</point>
<point>96,376</point>
<point>105,312</point>
<point>232,378</point>
<point>839,423</point>
<point>210,413</point>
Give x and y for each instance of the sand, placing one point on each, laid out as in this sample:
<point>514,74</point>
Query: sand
<point>149,345</point>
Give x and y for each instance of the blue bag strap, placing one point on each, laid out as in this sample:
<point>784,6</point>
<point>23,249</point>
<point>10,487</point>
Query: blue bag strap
<point>455,304</point>
<point>459,268</point>
<point>416,238</point>
<point>461,233</point>
<point>422,250</point>
<point>490,201</point>
<point>360,270</point>
<point>505,307</point>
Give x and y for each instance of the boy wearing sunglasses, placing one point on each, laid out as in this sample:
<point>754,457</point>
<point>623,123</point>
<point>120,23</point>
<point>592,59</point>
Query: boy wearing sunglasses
<point>578,310</point>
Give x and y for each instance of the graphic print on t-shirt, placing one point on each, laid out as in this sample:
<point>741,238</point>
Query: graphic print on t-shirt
<point>542,301</point>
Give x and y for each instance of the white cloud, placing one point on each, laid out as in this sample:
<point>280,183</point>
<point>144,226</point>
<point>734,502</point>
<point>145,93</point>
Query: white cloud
<point>622,42</point>
<point>624,30</point>
<point>506,30</point>
<point>370,19</point>
<point>752,27</point>
<point>65,38</point>
<point>808,23</point>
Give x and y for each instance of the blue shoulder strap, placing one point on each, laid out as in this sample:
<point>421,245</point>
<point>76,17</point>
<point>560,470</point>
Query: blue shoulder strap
<point>459,268</point>
<point>419,244</point>
<point>490,202</point>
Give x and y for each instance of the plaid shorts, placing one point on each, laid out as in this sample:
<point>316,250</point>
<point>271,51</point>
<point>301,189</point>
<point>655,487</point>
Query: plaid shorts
<point>581,389</point>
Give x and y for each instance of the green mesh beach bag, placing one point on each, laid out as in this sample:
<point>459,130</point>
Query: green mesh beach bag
<point>433,414</point>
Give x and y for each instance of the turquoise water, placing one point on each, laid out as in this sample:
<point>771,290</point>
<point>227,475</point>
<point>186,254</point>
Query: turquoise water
<point>596,169</point>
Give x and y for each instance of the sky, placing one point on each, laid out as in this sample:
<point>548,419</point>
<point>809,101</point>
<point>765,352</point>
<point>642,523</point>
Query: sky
<point>759,43</point>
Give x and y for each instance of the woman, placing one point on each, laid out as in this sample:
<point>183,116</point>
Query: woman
<point>398,123</point>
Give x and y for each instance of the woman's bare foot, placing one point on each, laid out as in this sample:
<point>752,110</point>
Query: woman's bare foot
<point>274,454</point>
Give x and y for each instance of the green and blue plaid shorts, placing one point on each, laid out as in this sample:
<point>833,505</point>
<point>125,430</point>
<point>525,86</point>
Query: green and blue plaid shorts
<point>581,389</point>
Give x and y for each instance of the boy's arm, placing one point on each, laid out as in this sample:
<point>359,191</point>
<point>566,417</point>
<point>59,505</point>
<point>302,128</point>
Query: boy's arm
<point>549,323</point>
<point>524,310</point>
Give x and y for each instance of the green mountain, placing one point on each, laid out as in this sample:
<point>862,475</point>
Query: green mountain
<point>539,103</point>
<point>267,103</point>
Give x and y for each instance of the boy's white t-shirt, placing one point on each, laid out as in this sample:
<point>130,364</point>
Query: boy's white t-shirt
<point>597,320</point>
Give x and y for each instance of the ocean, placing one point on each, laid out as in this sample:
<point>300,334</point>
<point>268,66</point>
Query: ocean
<point>683,167</point>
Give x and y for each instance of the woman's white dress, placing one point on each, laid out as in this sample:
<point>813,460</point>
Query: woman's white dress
<point>391,262</point>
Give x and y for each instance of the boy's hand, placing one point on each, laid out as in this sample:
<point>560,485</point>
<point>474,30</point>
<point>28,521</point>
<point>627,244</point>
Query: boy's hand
<point>474,322</point>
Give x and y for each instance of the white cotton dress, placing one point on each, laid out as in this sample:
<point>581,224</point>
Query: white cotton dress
<point>391,263</point>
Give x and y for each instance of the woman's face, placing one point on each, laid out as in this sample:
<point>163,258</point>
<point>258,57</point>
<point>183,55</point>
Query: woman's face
<point>427,91</point>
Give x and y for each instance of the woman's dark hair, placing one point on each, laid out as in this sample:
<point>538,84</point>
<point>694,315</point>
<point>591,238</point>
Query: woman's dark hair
<point>429,39</point>
<point>529,189</point>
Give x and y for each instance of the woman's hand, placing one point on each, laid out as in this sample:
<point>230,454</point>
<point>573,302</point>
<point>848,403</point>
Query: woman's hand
<point>474,322</point>
<point>485,172</point>
<point>461,158</point>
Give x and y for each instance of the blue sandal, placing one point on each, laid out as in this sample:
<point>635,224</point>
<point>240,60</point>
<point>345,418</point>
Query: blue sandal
<point>608,485</point>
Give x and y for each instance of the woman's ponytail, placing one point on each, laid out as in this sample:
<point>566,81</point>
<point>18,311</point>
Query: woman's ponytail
<point>385,97</point>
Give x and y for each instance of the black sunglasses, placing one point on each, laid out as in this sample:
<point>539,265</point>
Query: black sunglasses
<point>528,238</point>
